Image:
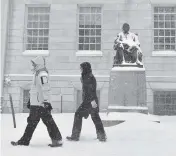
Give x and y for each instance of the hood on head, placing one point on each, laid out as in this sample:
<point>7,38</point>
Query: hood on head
<point>86,67</point>
<point>39,61</point>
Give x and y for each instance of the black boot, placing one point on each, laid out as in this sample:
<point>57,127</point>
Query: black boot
<point>19,143</point>
<point>72,138</point>
<point>56,143</point>
<point>101,137</point>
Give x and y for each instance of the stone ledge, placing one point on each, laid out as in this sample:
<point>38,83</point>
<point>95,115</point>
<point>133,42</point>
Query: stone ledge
<point>89,53</point>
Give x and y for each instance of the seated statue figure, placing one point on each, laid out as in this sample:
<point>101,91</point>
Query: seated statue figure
<point>127,47</point>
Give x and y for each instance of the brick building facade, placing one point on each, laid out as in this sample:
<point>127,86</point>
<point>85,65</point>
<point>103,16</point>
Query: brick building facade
<point>69,32</point>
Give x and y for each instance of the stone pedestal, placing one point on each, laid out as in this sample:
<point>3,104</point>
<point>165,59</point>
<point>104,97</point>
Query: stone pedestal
<point>127,89</point>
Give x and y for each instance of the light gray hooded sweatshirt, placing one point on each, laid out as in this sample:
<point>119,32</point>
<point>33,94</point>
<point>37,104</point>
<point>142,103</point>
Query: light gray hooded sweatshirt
<point>40,89</point>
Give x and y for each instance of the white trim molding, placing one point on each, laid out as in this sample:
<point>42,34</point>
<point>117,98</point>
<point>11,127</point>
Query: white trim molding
<point>164,53</point>
<point>89,53</point>
<point>36,53</point>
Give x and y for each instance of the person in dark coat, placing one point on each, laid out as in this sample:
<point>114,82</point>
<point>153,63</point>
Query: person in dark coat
<point>88,106</point>
<point>40,106</point>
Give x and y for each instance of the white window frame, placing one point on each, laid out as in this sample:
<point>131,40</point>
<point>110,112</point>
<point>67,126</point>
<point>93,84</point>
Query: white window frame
<point>165,53</point>
<point>88,52</point>
<point>34,52</point>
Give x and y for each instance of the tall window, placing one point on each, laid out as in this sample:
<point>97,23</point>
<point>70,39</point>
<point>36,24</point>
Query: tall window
<point>89,28</point>
<point>165,28</point>
<point>37,28</point>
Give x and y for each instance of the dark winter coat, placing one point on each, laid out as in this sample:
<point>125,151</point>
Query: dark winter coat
<point>89,85</point>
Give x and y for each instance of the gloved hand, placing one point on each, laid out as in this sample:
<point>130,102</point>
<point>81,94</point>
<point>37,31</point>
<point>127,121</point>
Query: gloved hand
<point>47,106</point>
<point>94,104</point>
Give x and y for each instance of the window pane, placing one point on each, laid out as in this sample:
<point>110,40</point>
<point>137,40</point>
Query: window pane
<point>29,40</point>
<point>167,32</point>
<point>161,47</point>
<point>98,32</point>
<point>30,17</point>
<point>168,17</point>
<point>156,32</point>
<point>156,39</point>
<point>173,32</point>
<point>167,40</point>
<point>85,10</point>
<point>161,39</point>
<point>173,47</point>
<point>87,32</point>
<point>98,19</point>
<point>172,39</point>
<point>86,46</point>
<point>86,39</point>
<point>92,32</point>
<point>95,10</point>
<point>36,25</point>
<point>161,32</point>
<point>92,47</point>
<point>161,24</point>
<point>173,25</point>
<point>156,25</point>
<point>98,46</point>
<point>169,9</point>
<point>80,46</point>
<point>156,47</point>
<point>161,9</point>
<point>35,32</point>
<point>81,39</point>
<point>98,40</point>
<point>46,32</point>
<point>161,17</point>
<point>156,17</point>
<point>167,47</point>
<point>92,40</point>
<point>167,24</point>
<point>81,32</point>
<point>30,25</point>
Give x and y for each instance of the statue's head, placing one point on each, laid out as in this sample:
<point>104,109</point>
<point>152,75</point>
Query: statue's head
<point>126,27</point>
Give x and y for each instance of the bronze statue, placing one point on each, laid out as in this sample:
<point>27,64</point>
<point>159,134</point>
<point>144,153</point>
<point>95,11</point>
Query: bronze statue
<point>127,48</point>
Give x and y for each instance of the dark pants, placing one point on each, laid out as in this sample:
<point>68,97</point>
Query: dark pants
<point>37,112</point>
<point>84,112</point>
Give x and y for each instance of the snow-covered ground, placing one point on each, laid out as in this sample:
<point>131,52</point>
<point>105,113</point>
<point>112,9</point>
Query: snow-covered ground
<point>135,137</point>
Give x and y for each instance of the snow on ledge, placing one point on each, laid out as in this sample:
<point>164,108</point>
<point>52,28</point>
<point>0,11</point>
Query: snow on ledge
<point>128,107</point>
<point>89,53</point>
<point>58,75</point>
<point>127,69</point>
<point>164,53</point>
<point>36,53</point>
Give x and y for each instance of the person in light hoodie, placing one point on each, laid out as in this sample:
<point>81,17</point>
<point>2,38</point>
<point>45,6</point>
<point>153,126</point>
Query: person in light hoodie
<point>40,106</point>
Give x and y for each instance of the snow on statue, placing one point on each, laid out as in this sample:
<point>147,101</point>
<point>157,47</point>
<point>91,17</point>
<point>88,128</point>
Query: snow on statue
<point>127,47</point>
